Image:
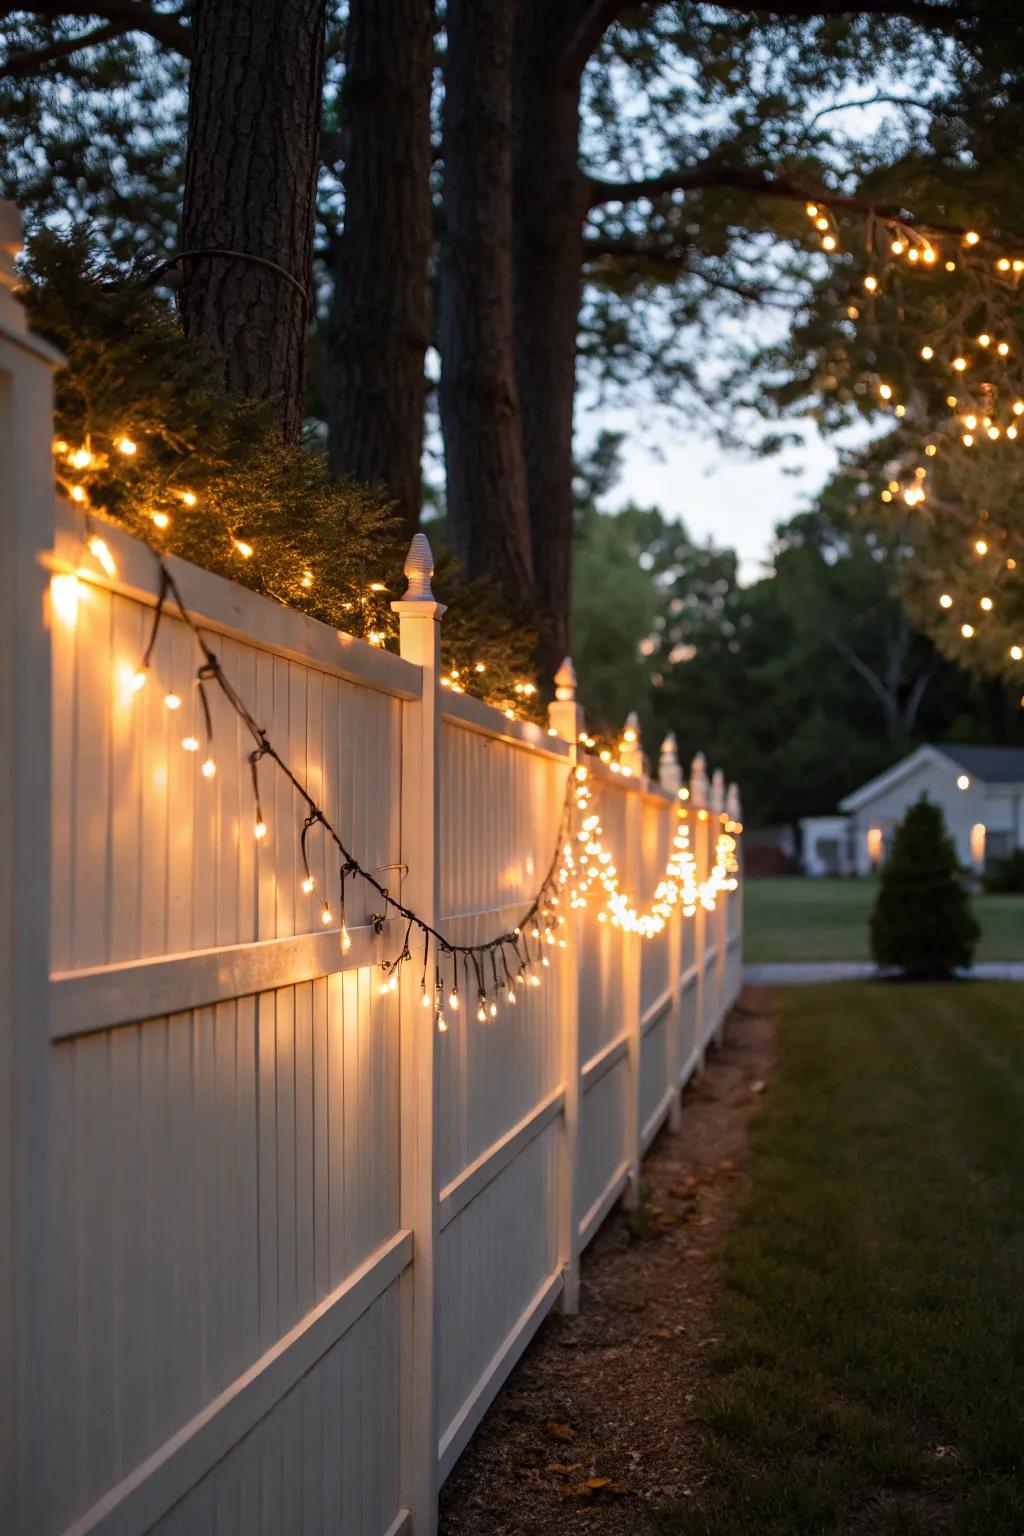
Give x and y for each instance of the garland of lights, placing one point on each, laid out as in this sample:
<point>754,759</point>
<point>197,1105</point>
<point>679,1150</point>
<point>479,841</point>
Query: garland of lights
<point>975,418</point>
<point>494,967</point>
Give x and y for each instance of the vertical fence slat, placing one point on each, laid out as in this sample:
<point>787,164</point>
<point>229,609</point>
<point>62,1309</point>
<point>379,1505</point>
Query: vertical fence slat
<point>566,718</point>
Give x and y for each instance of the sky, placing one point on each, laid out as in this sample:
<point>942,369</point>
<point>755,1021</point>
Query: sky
<point>734,498</point>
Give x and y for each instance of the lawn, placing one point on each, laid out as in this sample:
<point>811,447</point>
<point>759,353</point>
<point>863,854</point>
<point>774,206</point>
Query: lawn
<point>795,919</point>
<point>867,1374</point>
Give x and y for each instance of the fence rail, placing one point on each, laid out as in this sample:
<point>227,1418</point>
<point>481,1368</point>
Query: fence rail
<point>275,1243</point>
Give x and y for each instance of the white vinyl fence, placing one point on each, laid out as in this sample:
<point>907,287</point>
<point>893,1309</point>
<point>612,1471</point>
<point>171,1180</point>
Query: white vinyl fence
<point>272,1243</point>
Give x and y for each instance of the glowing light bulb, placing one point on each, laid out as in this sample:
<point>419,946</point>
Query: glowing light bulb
<point>307,885</point>
<point>453,999</point>
<point>172,701</point>
<point>259,831</point>
<point>345,938</point>
<point>493,1010</point>
<point>80,459</point>
<point>959,363</point>
<point>126,446</point>
<point>929,255</point>
<point>1003,348</point>
<point>871,283</point>
<point>139,680</point>
<point>984,339</point>
<point>100,551</point>
<point>209,768</point>
<point>190,744</point>
<point>968,440</point>
<point>931,450</point>
<point>993,433</point>
<point>987,604</point>
<point>971,237</point>
<point>325,914</point>
<point>161,520</point>
<point>189,498</point>
<point>812,210</point>
<point>828,243</point>
<point>77,493</point>
<point>967,630</point>
<point>980,547</point>
<point>1011,433</point>
<point>898,247</point>
<point>442,1023</point>
<point>64,595</point>
<point>1002,265</point>
<point>901,410</point>
<point>244,549</point>
<point>927,353</point>
<point>481,1014</point>
<point>885,390</point>
<point>1016,653</point>
<point>307,578</point>
<point>945,601</point>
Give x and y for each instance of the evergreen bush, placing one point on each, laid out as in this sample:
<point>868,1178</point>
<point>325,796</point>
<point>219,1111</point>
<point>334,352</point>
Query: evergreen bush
<point>922,923</point>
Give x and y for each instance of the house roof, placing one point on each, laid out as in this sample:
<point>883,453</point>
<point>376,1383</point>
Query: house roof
<point>988,765</point>
<point>993,765</point>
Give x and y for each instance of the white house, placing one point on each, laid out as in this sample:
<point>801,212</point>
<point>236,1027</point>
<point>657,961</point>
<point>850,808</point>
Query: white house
<point>980,791</point>
<point>826,845</point>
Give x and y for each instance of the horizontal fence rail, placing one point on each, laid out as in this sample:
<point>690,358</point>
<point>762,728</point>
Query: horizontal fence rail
<point>276,1241</point>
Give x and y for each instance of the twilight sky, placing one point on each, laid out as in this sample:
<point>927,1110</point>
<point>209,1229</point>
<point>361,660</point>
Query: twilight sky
<point>736,499</point>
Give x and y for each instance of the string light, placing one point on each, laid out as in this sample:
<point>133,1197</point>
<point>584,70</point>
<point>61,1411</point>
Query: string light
<point>100,551</point>
<point>581,867</point>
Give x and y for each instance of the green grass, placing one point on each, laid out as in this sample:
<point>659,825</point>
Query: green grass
<point>795,919</point>
<point>868,1373</point>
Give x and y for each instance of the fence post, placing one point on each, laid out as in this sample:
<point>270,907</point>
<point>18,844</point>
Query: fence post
<point>631,761</point>
<point>566,717</point>
<point>420,642</point>
<point>734,811</point>
<point>699,834</point>
<point>27,499</point>
<point>719,917</point>
<point>670,777</point>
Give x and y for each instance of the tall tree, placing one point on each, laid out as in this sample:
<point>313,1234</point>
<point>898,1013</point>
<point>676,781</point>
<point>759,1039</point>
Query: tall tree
<point>569,220</point>
<point>250,192</point>
<point>487,509</point>
<point>379,323</point>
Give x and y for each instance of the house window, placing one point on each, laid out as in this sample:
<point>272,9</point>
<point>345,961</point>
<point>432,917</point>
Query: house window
<point>978,845</point>
<point>876,845</point>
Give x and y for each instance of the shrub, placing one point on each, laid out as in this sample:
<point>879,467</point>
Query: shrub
<point>1006,876</point>
<point>922,923</point>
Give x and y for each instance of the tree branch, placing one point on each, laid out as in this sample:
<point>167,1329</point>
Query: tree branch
<point>165,27</point>
<point>601,14</point>
<point>29,60</point>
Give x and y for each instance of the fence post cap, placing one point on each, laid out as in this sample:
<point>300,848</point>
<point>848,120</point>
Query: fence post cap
<point>565,681</point>
<point>670,774</point>
<point>699,780</point>
<point>732,801</point>
<point>418,569</point>
<point>13,321</point>
<point>10,243</point>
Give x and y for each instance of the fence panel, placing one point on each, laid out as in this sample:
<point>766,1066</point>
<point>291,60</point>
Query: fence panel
<point>276,1241</point>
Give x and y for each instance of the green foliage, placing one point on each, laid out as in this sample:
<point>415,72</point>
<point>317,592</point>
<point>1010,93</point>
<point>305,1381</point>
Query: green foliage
<point>211,477</point>
<point>922,923</point>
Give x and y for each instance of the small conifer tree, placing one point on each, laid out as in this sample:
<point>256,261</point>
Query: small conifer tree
<point>922,923</point>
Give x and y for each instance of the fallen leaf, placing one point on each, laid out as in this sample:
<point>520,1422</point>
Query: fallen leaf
<point>558,1431</point>
<point>563,1467</point>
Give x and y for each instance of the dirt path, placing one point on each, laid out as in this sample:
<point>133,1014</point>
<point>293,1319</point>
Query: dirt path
<point>595,1428</point>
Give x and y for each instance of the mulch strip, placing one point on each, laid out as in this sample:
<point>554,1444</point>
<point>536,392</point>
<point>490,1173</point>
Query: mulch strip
<point>596,1427</point>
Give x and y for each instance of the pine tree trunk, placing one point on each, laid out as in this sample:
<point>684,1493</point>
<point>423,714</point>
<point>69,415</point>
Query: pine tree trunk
<point>379,313</point>
<point>550,207</point>
<point>487,507</point>
<point>250,186</point>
